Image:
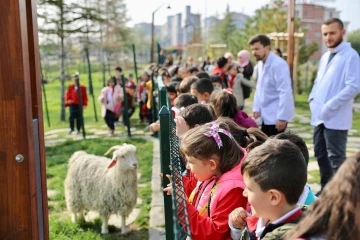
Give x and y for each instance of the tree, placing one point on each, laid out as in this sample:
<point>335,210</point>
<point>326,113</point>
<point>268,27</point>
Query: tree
<point>273,18</point>
<point>225,32</point>
<point>117,35</point>
<point>354,39</point>
<point>58,21</point>
<point>226,27</point>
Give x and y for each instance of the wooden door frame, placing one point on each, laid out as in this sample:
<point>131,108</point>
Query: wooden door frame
<point>35,104</point>
<point>25,13</point>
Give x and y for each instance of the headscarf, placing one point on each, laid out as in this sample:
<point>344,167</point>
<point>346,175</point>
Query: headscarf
<point>245,58</point>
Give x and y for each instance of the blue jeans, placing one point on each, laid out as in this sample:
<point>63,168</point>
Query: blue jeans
<point>330,151</point>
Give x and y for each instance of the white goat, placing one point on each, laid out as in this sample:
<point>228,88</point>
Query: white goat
<point>103,185</point>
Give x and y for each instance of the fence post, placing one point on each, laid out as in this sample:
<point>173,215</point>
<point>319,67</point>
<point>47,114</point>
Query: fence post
<point>135,64</point>
<point>91,90</point>
<point>164,115</point>
<point>158,53</point>
<point>44,94</point>
<point>80,105</point>
<point>162,93</point>
<point>126,107</point>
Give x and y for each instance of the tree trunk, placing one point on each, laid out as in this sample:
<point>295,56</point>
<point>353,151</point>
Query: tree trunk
<point>103,67</point>
<point>62,69</point>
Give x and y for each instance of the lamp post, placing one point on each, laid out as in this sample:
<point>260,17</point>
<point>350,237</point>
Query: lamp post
<point>153,31</point>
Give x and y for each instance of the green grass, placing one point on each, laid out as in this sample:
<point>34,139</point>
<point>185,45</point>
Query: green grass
<point>356,123</point>
<point>315,177</point>
<point>60,224</point>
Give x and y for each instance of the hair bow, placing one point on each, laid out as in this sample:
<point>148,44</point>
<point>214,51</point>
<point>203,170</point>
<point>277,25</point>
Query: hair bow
<point>214,133</point>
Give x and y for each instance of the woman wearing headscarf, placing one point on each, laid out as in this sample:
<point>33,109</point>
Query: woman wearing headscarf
<point>245,64</point>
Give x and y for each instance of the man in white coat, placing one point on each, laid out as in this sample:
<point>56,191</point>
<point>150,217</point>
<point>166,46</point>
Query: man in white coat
<point>331,98</point>
<point>273,100</point>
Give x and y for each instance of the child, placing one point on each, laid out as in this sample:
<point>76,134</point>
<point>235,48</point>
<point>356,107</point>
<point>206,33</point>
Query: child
<point>203,75</point>
<point>216,82</point>
<point>236,81</point>
<point>185,84</point>
<point>202,89</point>
<point>336,214</point>
<point>172,93</point>
<point>110,97</point>
<point>193,71</point>
<point>307,197</point>
<point>184,100</point>
<point>166,77</point>
<point>274,175</point>
<point>192,116</point>
<point>214,157</point>
<point>141,97</point>
<point>149,96</point>
<point>224,104</point>
<point>220,70</point>
<point>130,90</point>
<point>180,102</point>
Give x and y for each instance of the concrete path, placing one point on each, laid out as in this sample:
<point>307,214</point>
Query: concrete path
<point>157,217</point>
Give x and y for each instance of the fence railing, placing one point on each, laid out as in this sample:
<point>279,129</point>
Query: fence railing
<point>177,224</point>
<point>93,75</point>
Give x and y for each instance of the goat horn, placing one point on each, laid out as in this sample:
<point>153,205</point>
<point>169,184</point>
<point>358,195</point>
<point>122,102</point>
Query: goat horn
<point>113,148</point>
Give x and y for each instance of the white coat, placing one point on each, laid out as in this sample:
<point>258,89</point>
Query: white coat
<point>273,95</point>
<point>335,87</point>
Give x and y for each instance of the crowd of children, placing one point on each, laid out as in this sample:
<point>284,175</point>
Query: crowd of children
<point>240,183</point>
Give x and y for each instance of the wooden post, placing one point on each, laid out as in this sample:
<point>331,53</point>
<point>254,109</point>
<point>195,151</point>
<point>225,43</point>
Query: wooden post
<point>291,42</point>
<point>23,198</point>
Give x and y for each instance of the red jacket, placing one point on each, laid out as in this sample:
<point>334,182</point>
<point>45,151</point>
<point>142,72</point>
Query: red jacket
<point>71,95</point>
<point>189,183</point>
<point>227,197</point>
<point>223,76</point>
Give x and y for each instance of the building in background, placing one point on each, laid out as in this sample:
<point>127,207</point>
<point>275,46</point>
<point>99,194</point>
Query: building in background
<point>209,24</point>
<point>192,26</point>
<point>312,16</point>
<point>146,29</point>
<point>239,19</point>
<point>174,30</point>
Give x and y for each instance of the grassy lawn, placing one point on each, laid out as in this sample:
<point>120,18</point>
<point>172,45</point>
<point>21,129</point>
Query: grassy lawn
<point>61,226</point>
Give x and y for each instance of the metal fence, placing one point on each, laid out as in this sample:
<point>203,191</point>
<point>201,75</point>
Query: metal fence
<point>177,224</point>
<point>94,78</point>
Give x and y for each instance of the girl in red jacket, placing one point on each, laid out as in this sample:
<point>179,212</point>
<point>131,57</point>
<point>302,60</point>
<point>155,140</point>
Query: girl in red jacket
<point>214,157</point>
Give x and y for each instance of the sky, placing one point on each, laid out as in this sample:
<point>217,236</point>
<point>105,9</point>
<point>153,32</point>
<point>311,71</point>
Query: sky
<point>141,10</point>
